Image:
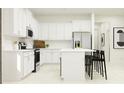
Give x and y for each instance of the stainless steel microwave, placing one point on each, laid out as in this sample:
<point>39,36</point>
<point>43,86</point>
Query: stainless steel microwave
<point>29,32</point>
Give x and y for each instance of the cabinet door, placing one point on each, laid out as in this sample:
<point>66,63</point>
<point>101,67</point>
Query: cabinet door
<point>75,26</point>
<point>47,57</point>
<point>28,17</point>
<point>68,31</point>
<point>60,31</point>
<point>26,65</point>
<point>52,31</point>
<point>42,57</point>
<point>22,23</point>
<point>81,25</point>
<point>44,31</point>
<point>55,57</point>
<point>16,21</point>
<point>35,31</point>
<point>31,62</point>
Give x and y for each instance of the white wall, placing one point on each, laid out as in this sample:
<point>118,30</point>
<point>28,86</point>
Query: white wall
<point>116,55</point>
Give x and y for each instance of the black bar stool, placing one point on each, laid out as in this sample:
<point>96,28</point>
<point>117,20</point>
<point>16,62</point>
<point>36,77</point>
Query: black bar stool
<point>98,63</point>
<point>87,64</point>
<point>103,64</point>
<point>95,59</point>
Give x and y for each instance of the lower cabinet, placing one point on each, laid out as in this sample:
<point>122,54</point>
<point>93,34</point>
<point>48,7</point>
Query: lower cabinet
<point>17,64</point>
<point>28,63</point>
<point>55,57</point>
<point>49,56</point>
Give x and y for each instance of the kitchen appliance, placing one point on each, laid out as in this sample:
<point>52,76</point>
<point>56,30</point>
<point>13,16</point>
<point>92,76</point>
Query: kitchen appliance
<point>82,40</point>
<point>39,44</point>
<point>22,45</point>
<point>36,60</point>
<point>77,44</point>
<point>29,32</point>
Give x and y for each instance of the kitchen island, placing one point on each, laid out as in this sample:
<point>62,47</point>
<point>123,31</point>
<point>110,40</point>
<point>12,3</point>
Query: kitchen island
<point>72,64</point>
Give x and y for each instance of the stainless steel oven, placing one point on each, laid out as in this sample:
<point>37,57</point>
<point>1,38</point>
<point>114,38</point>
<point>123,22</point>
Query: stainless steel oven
<point>36,60</point>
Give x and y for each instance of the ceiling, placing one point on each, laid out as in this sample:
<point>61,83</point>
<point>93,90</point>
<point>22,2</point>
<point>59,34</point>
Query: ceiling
<point>77,11</point>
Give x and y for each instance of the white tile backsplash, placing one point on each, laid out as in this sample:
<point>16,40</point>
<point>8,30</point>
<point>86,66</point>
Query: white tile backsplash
<point>8,42</point>
<point>59,44</point>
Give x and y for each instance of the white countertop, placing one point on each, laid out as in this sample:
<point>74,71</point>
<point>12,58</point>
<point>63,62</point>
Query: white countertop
<point>18,50</point>
<point>50,48</point>
<point>76,50</point>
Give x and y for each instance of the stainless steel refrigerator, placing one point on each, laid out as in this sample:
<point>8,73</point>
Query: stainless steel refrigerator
<point>82,40</point>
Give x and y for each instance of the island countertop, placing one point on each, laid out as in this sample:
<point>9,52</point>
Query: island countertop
<point>76,50</point>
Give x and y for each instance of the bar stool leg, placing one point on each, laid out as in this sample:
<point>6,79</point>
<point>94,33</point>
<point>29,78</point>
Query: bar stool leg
<point>98,66</point>
<point>94,65</point>
<point>102,70</point>
<point>92,70</point>
<point>105,70</point>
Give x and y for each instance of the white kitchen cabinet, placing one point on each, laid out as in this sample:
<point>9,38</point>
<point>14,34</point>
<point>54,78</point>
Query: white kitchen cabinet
<point>44,29</point>
<point>56,31</point>
<point>18,63</point>
<point>60,31</point>
<point>22,23</point>
<point>42,57</point>
<point>49,56</point>
<point>55,57</point>
<point>52,31</point>
<point>68,31</point>
<point>10,20</point>
<point>28,62</point>
<point>28,17</point>
<point>35,29</point>
<point>81,25</point>
<point>14,21</point>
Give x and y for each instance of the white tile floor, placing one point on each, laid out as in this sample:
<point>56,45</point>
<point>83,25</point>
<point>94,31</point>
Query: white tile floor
<point>49,73</point>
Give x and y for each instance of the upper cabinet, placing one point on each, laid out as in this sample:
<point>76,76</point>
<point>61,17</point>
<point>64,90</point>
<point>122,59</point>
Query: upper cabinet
<point>56,31</point>
<point>35,28</point>
<point>52,31</point>
<point>16,20</point>
<point>63,31</point>
<point>81,25</point>
<point>44,30</point>
<point>60,35</point>
<point>28,17</point>
<point>68,31</point>
<point>22,23</point>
